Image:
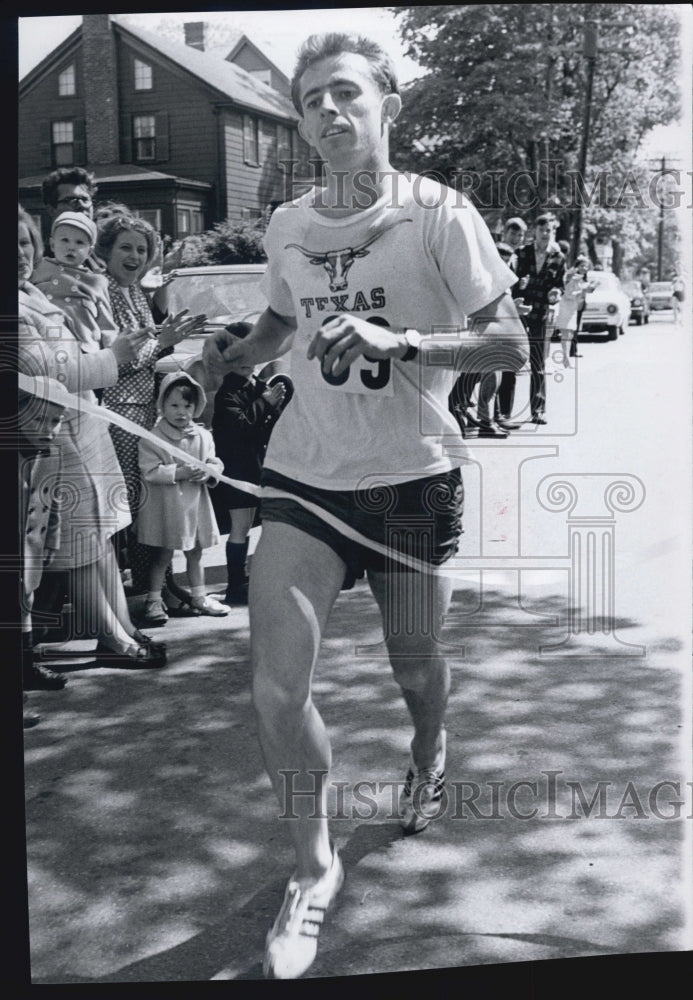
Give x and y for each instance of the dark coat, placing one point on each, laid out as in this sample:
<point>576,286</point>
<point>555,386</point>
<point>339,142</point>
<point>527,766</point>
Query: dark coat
<point>241,426</point>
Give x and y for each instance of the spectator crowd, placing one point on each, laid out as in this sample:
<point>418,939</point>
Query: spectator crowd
<point>106,503</point>
<point>126,502</point>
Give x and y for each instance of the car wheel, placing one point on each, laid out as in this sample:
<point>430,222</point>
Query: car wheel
<point>638,320</point>
<point>621,330</point>
<point>612,333</point>
<point>647,318</point>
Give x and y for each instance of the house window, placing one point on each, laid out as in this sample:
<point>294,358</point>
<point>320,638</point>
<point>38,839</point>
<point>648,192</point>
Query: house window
<point>144,134</point>
<point>283,143</point>
<point>66,82</point>
<point>250,141</point>
<point>143,76</point>
<point>189,219</point>
<point>63,144</point>
<point>150,215</point>
<point>265,75</point>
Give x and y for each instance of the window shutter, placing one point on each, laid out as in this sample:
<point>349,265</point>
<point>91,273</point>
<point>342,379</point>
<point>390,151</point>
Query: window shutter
<point>161,134</point>
<point>45,145</point>
<point>79,141</point>
<point>125,139</point>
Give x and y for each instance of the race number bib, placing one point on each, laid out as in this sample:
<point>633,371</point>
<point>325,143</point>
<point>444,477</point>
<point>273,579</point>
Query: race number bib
<point>365,376</point>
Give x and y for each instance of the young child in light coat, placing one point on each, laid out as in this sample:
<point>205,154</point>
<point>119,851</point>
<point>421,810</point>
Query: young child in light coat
<point>81,293</point>
<point>176,511</point>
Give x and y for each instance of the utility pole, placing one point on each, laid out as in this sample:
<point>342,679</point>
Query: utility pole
<point>660,232</point>
<point>589,51</point>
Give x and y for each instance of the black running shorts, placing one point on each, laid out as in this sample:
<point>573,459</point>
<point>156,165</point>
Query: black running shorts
<point>421,517</point>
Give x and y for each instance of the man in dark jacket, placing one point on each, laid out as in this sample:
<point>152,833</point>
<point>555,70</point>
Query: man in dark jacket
<point>541,273</point>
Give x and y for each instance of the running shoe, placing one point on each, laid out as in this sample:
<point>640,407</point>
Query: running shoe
<point>420,799</point>
<point>209,606</point>
<point>292,942</point>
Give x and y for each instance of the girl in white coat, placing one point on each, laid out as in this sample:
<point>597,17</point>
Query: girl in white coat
<point>176,512</point>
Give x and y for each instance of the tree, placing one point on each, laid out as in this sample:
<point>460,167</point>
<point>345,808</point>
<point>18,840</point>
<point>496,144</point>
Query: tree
<point>500,111</point>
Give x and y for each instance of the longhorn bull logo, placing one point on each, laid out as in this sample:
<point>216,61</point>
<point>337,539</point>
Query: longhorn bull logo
<point>338,262</point>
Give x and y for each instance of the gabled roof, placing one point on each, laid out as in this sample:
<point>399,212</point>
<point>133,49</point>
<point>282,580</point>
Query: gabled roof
<point>230,82</point>
<point>244,41</point>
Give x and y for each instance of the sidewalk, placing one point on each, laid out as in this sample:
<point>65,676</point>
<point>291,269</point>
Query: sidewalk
<point>155,854</point>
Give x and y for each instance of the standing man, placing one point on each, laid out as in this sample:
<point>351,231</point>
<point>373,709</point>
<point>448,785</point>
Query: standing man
<point>513,238</point>
<point>69,189</point>
<point>355,269</point>
<point>542,264</point>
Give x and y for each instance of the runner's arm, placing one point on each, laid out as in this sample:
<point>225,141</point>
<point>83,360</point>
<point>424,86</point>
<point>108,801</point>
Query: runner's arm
<point>269,339</point>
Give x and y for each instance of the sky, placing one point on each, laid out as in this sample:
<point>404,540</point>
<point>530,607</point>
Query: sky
<point>278,32</point>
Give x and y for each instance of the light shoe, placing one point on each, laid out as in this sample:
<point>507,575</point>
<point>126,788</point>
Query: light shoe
<point>420,799</point>
<point>292,942</point>
<point>209,606</point>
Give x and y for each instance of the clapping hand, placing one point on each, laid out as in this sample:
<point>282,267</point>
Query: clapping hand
<point>178,327</point>
<point>129,343</point>
<point>275,394</point>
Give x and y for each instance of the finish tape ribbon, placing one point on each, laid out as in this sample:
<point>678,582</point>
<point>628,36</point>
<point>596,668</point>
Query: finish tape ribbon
<point>54,392</point>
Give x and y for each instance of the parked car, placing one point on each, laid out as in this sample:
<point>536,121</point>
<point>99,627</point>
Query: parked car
<point>639,302</point>
<point>660,295</point>
<point>607,307</point>
<point>225,293</point>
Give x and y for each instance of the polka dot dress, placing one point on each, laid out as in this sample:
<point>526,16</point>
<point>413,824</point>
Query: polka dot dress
<point>133,397</point>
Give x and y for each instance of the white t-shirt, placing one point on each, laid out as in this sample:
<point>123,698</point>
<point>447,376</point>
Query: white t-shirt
<point>420,258</point>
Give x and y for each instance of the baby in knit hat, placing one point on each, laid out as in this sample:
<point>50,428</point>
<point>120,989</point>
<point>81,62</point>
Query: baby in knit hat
<point>81,293</point>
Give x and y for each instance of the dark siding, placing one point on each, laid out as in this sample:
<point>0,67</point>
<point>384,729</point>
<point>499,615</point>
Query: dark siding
<point>247,187</point>
<point>177,99</point>
<point>39,107</point>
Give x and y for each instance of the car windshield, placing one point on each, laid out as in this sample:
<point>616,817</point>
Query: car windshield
<point>660,286</point>
<point>603,280</point>
<point>222,297</point>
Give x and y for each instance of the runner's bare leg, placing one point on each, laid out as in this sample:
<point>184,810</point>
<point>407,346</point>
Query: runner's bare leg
<point>412,606</point>
<point>294,581</point>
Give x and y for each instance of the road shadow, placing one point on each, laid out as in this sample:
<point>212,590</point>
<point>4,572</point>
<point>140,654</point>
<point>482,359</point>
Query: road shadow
<point>155,853</point>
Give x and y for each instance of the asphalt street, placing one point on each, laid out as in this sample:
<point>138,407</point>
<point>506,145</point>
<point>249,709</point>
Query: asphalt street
<point>154,849</point>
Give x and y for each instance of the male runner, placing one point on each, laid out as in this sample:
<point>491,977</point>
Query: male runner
<point>355,269</point>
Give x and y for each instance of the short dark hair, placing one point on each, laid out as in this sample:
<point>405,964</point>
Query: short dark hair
<point>334,43</point>
<point>66,175</point>
<point>110,227</point>
<point>33,233</point>
<point>543,220</point>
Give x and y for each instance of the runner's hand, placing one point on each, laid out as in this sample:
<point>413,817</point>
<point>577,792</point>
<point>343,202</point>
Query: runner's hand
<point>342,339</point>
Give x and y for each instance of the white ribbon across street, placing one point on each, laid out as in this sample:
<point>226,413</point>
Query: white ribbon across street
<point>51,391</point>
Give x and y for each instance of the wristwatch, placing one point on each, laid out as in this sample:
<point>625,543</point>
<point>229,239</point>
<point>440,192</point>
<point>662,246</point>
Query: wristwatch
<point>413,339</point>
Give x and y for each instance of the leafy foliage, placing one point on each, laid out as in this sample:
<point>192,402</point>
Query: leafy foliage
<point>504,95</point>
<point>229,242</point>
